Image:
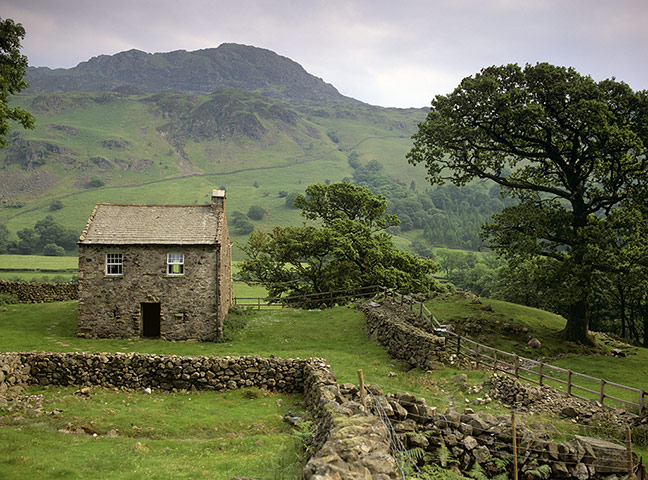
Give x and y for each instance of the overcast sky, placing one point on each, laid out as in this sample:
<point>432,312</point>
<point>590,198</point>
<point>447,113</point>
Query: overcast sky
<point>396,53</point>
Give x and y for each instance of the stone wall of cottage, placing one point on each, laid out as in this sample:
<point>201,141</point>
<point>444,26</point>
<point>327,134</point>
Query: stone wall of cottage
<point>26,292</point>
<point>110,306</point>
<point>225,286</point>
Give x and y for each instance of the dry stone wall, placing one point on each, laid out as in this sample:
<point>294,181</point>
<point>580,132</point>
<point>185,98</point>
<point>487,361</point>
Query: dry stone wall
<point>41,292</point>
<point>162,372</point>
<point>402,340</point>
<point>14,375</point>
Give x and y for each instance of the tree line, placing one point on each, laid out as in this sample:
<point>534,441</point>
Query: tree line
<point>46,237</point>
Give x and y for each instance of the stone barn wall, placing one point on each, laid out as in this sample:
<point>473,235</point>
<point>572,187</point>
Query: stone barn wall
<point>110,306</point>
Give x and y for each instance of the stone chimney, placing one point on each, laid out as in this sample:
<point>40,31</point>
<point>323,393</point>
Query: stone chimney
<point>218,200</point>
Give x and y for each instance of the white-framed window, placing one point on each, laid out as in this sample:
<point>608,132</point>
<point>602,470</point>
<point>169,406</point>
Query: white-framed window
<point>114,264</point>
<point>175,264</point>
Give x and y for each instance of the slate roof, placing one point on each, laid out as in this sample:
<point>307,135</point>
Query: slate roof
<point>115,224</point>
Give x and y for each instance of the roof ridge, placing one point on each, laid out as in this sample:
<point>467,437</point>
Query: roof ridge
<point>147,205</point>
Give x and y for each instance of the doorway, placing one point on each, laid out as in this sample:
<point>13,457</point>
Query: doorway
<point>150,320</point>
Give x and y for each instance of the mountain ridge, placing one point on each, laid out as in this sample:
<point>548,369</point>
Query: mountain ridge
<point>204,71</point>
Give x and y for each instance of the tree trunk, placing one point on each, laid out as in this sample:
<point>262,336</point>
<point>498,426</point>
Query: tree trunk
<point>577,328</point>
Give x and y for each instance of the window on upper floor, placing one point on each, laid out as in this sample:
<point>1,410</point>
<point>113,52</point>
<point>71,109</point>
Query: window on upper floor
<point>175,264</point>
<point>114,264</point>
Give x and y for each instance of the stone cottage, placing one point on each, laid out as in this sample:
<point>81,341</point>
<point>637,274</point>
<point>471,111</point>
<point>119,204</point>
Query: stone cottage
<point>155,271</point>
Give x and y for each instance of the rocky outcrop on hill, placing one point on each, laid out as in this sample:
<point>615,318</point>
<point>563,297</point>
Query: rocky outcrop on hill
<point>198,72</point>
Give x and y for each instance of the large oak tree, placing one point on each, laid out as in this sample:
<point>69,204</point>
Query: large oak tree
<point>571,150</point>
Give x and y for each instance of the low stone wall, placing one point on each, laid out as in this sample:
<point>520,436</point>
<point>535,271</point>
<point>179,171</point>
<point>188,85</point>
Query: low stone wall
<point>480,438</point>
<point>26,292</point>
<point>403,340</point>
<point>14,375</point>
<point>163,372</point>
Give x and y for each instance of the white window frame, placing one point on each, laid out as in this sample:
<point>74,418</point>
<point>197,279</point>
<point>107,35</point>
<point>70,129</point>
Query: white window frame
<point>114,261</point>
<point>175,260</point>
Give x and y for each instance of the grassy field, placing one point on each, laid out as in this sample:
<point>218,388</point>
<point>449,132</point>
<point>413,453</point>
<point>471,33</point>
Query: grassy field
<point>133,435</point>
<point>160,444</point>
<point>498,324</point>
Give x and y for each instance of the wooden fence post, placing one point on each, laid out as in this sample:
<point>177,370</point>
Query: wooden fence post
<point>631,475</point>
<point>362,388</point>
<point>421,310</point>
<point>569,384</point>
<point>477,357</point>
<point>458,346</point>
<point>258,303</point>
<point>514,435</point>
<point>602,393</point>
<point>494,360</point>
<point>540,373</point>
<point>517,367</point>
<point>641,402</point>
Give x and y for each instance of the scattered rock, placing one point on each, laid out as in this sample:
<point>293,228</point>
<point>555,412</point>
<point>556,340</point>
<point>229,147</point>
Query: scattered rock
<point>534,343</point>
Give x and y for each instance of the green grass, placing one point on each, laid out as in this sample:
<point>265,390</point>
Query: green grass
<point>37,262</point>
<point>161,435</point>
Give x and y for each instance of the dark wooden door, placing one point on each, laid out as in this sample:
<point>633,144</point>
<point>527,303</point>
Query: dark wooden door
<point>150,320</point>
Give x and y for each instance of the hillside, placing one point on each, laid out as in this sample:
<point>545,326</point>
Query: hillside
<point>200,72</point>
<point>242,118</point>
<point>174,148</point>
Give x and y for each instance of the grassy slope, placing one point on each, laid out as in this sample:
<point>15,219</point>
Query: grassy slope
<point>283,160</point>
<point>500,326</point>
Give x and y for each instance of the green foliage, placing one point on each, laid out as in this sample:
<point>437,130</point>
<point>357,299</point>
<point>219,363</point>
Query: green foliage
<point>4,239</point>
<point>95,182</point>
<point>56,205</point>
<point>443,456</point>
<point>541,472</point>
<point>569,149</point>
<point>347,251</point>
<point>13,66</point>
<point>53,250</point>
<point>256,212</point>
<point>241,223</point>
<point>332,134</point>
<point>448,215</point>
<point>7,299</point>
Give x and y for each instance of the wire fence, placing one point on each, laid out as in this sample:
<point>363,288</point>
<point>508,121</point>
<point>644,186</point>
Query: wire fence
<point>617,459</point>
<point>309,300</point>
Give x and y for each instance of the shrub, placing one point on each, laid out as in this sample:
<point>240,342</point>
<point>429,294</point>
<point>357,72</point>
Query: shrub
<point>95,182</point>
<point>53,250</point>
<point>256,212</point>
<point>6,299</point>
<point>56,205</point>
